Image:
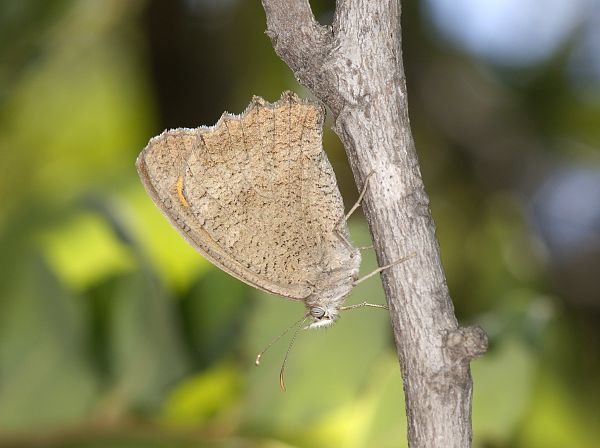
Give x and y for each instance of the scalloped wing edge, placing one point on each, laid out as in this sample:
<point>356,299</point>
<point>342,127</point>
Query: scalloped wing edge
<point>150,189</point>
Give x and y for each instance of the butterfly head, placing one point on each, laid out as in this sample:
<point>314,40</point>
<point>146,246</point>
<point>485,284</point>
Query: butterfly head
<point>322,316</point>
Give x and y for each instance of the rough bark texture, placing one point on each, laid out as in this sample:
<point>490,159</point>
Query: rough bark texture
<point>355,67</point>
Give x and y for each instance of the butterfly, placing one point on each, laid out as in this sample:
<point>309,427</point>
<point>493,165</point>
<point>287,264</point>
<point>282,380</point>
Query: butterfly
<point>256,195</point>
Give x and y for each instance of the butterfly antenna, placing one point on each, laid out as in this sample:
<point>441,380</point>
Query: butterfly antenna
<point>270,344</point>
<point>281,381</point>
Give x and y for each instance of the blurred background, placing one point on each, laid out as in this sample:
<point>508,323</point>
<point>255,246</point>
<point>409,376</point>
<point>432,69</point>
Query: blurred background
<point>115,333</point>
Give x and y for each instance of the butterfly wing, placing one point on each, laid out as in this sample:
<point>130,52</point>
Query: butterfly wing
<point>254,194</point>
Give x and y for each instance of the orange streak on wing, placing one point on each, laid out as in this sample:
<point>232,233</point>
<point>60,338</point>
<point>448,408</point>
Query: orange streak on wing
<point>179,187</point>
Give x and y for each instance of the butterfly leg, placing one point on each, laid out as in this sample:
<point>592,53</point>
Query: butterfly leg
<point>358,201</point>
<point>370,246</point>
<point>344,218</point>
<point>345,240</point>
<point>383,268</point>
<point>364,304</point>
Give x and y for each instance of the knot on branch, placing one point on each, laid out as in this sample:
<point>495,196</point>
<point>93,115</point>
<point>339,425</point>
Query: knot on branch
<point>466,343</point>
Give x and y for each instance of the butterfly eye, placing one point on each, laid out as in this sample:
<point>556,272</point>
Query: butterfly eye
<point>317,312</point>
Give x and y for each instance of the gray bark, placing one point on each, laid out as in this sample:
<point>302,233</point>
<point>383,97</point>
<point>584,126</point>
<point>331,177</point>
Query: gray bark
<point>355,68</point>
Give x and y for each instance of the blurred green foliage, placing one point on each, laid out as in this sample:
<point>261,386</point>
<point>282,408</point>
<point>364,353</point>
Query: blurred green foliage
<point>113,332</point>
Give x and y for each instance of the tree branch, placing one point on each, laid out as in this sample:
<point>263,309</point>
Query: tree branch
<point>355,67</point>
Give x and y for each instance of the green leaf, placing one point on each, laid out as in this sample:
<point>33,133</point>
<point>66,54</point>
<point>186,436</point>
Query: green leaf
<point>45,375</point>
<point>201,396</point>
<point>146,350</point>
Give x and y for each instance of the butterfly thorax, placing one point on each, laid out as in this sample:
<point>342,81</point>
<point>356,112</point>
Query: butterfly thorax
<point>331,289</point>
